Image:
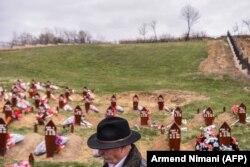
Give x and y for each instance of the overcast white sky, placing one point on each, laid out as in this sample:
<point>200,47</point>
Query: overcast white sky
<point>119,19</point>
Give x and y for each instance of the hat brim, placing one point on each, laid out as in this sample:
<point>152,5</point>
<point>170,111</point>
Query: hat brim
<point>95,144</point>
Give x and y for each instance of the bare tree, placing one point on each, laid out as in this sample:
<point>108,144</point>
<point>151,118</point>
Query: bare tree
<point>247,22</point>
<point>166,38</point>
<point>153,26</point>
<point>73,36</point>
<point>67,36</point>
<point>23,39</point>
<point>88,37</point>
<point>59,33</point>
<point>26,38</point>
<point>84,37</point>
<point>143,30</point>
<point>14,40</point>
<point>47,38</point>
<point>191,15</point>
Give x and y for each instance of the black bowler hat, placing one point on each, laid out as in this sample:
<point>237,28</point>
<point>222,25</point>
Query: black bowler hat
<point>112,132</point>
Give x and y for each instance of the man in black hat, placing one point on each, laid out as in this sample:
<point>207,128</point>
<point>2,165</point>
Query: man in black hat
<point>114,140</point>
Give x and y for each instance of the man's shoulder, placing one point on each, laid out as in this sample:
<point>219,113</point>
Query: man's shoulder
<point>143,163</point>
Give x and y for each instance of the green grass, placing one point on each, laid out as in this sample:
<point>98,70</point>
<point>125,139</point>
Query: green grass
<point>123,67</point>
<point>135,67</point>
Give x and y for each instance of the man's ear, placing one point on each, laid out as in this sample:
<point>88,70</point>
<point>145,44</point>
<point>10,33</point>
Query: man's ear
<point>123,148</point>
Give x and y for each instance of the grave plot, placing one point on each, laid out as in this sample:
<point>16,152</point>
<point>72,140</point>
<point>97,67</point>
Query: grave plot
<point>160,103</point>
<point>240,111</point>
<point>53,143</point>
<point>124,100</point>
<point>135,102</point>
<point>8,111</point>
<point>174,137</point>
<point>144,117</point>
<point>78,119</point>
<point>226,140</point>
<point>210,141</point>
<point>3,133</point>
<point>208,116</point>
<point>7,140</point>
<point>177,112</point>
<point>177,118</point>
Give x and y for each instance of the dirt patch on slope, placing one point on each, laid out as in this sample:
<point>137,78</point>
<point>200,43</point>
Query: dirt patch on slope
<point>220,62</point>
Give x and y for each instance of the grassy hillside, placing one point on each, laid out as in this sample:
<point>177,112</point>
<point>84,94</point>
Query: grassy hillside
<point>121,68</point>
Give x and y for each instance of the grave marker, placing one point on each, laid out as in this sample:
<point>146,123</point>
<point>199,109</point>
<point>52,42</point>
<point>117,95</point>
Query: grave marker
<point>61,101</point>
<point>85,91</point>
<point>67,92</point>
<point>7,110</point>
<point>87,104</point>
<point>48,92</point>
<point>225,134</point>
<point>32,91</point>
<point>144,114</point>
<point>242,113</point>
<point>3,133</point>
<point>110,112</point>
<point>113,101</point>
<point>50,137</point>
<point>135,102</point>
<point>178,115</point>
<point>37,99</point>
<point>208,116</point>
<point>174,136</point>
<point>160,103</point>
<point>14,100</point>
<point>78,115</point>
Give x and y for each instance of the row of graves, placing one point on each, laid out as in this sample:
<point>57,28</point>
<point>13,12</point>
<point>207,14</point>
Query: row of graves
<point>208,139</point>
<point>18,106</point>
<point>19,102</point>
<point>53,143</point>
